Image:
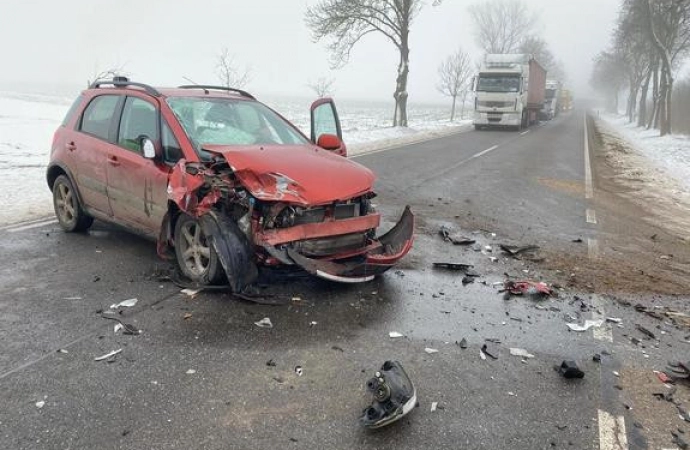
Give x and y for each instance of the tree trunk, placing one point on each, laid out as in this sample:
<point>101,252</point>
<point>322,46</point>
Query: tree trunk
<point>452,110</point>
<point>667,129</point>
<point>661,116</point>
<point>642,109</point>
<point>462,106</point>
<point>653,119</point>
<point>401,82</point>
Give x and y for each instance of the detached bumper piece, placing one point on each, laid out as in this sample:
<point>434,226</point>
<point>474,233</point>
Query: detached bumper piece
<point>391,247</point>
<point>394,396</point>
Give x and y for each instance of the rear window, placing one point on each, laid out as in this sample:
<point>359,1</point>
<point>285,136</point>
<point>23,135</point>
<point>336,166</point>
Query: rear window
<point>98,115</point>
<point>72,110</point>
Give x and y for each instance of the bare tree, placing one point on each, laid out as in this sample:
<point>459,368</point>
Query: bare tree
<point>501,26</point>
<point>454,78</point>
<point>609,77</point>
<point>537,47</point>
<point>346,22</point>
<point>322,87</point>
<point>230,73</point>
<point>108,74</point>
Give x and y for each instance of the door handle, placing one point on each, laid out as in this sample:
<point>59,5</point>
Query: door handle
<point>112,160</point>
<point>71,146</point>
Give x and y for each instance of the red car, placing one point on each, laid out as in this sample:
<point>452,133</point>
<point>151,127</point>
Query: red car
<point>222,182</point>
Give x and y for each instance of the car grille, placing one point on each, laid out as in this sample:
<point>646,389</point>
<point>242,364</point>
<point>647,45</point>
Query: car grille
<point>332,245</point>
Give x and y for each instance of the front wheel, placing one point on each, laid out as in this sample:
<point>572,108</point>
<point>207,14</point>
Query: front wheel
<point>68,210</point>
<point>196,257</point>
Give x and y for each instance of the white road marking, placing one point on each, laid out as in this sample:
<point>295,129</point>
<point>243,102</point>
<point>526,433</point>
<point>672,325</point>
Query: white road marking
<point>591,216</point>
<point>592,248</point>
<point>484,152</point>
<point>524,133</point>
<point>589,191</point>
<point>33,225</point>
<point>602,333</point>
<point>612,435</point>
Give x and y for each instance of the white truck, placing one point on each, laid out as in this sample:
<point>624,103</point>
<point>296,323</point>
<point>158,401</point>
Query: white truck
<point>551,100</point>
<point>509,91</point>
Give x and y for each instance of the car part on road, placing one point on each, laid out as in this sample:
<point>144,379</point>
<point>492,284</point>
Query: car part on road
<point>455,239</point>
<point>459,267</point>
<point>515,250</point>
<point>586,326</point>
<point>525,288</point>
<point>264,323</point>
<point>125,303</point>
<point>68,208</point>
<point>394,396</point>
<point>395,334</point>
<point>521,353</point>
<point>462,343</point>
<point>490,353</point>
<point>125,327</point>
<point>108,355</point>
<point>569,369</point>
<point>299,371</point>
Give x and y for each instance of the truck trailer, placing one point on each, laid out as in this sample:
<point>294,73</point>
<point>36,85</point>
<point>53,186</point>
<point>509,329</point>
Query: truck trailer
<point>509,91</point>
<point>551,100</point>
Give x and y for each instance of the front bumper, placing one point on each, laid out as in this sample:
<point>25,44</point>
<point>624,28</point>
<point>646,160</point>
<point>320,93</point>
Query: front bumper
<point>379,257</point>
<point>506,119</point>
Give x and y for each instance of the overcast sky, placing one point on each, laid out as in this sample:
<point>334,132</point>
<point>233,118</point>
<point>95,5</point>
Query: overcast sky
<point>160,41</point>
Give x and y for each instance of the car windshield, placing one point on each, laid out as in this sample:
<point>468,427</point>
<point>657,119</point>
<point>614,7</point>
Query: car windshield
<point>498,83</point>
<point>232,122</point>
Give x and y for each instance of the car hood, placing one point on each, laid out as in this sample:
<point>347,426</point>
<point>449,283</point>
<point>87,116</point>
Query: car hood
<point>301,174</point>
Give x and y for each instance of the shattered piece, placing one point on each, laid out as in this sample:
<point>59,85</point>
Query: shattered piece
<point>514,250</point>
<point>395,334</point>
<point>187,316</point>
<point>462,343</point>
<point>431,351</point>
<point>118,327</point>
<point>491,354</point>
<point>191,292</point>
<point>394,396</point>
<point>614,320</point>
<point>125,303</point>
<point>271,363</point>
<point>40,404</point>
<point>521,353</point>
<point>587,325</point>
<point>313,323</point>
<point>62,350</point>
<point>264,323</point>
<point>445,232</point>
<point>645,331</point>
<point>596,357</point>
<point>527,288</point>
<point>191,372</point>
<point>107,355</point>
<point>482,355</point>
<point>467,280</point>
<point>299,371</point>
<point>663,377</point>
<point>453,266</point>
<point>434,405</point>
<point>569,369</point>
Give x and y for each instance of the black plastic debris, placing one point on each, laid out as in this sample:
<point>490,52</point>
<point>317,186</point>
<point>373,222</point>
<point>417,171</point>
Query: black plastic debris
<point>569,369</point>
<point>467,280</point>
<point>453,266</point>
<point>462,343</point>
<point>645,331</point>
<point>455,239</point>
<point>528,252</point>
<point>489,352</point>
<point>394,396</point>
<point>596,357</point>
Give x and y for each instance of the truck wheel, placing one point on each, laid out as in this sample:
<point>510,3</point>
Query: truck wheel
<point>195,255</point>
<point>68,210</point>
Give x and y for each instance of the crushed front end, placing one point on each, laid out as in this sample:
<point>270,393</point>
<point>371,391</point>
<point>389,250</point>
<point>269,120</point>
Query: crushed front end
<point>278,224</point>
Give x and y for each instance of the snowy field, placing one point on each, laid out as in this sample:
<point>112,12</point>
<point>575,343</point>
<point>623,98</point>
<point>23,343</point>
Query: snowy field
<point>670,154</point>
<point>28,121</point>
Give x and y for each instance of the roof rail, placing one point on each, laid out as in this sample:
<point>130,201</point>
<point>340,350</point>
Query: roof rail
<point>124,82</point>
<point>217,88</point>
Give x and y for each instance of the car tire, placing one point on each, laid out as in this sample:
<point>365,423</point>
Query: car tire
<point>195,255</point>
<point>69,212</point>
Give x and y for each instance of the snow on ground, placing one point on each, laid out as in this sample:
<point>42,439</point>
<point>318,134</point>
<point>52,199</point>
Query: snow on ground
<point>670,154</point>
<point>28,122</point>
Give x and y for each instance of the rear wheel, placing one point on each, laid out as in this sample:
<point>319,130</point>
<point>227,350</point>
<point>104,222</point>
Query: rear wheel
<point>195,254</point>
<point>68,210</point>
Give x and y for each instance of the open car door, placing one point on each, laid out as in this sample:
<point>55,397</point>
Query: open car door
<point>325,126</point>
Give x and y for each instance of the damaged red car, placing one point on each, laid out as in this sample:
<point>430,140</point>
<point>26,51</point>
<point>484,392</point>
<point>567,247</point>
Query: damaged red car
<point>222,182</point>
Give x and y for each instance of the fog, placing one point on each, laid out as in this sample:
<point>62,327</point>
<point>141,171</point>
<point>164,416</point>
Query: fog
<point>64,43</point>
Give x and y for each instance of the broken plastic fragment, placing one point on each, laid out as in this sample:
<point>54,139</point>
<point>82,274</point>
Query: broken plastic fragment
<point>125,304</point>
<point>299,371</point>
<point>434,405</point>
<point>264,323</point>
<point>587,325</point>
<point>395,334</point>
<point>431,351</point>
<point>191,372</point>
<point>569,369</point>
<point>40,404</point>
<point>118,327</point>
<point>521,353</point>
<point>191,292</point>
<point>108,355</point>
<point>482,355</point>
<point>394,396</point>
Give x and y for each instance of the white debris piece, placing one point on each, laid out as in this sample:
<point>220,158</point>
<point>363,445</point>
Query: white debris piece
<point>118,327</point>
<point>395,334</point>
<point>72,298</point>
<point>191,292</point>
<point>40,404</point>
<point>431,351</point>
<point>521,353</point>
<point>108,355</point>
<point>125,304</point>
<point>191,372</point>
<point>434,405</point>
<point>482,355</point>
<point>264,323</point>
<point>588,324</point>
<point>614,320</point>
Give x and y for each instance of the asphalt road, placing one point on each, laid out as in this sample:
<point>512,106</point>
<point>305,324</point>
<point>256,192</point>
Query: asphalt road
<point>197,377</point>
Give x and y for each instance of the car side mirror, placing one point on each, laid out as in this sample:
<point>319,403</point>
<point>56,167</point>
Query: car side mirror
<point>329,142</point>
<point>148,148</point>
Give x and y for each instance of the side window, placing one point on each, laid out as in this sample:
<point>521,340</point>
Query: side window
<point>72,110</point>
<point>324,121</point>
<point>171,148</point>
<point>139,118</point>
<point>98,115</point>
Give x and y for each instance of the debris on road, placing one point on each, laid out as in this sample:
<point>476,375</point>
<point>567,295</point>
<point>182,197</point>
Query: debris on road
<point>431,351</point>
<point>394,396</point>
<point>108,355</point>
<point>587,325</point>
<point>125,303</point>
<point>526,288</point>
<point>679,441</point>
<point>458,267</point>
<point>434,405</point>
<point>462,343</point>
<point>467,280</point>
<point>569,369</point>
<point>515,250</point>
<point>191,293</point>
<point>264,323</point>
<point>395,334</point>
<point>187,316</point>
<point>596,358</point>
<point>482,355</point>
<point>455,239</point>
<point>490,353</point>
<point>120,325</point>
<point>299,371</point>
<point>614,320</point>
<point>190,372</point>
<point>40,404</point>
<point>521,353</point>
<point>62,350</point>
<point>645,331</point>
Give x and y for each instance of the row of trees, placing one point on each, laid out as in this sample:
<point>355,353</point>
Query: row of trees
<point>651,41</point>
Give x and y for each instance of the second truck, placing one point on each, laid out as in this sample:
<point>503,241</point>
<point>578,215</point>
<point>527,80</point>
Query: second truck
<point>509,91</point>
